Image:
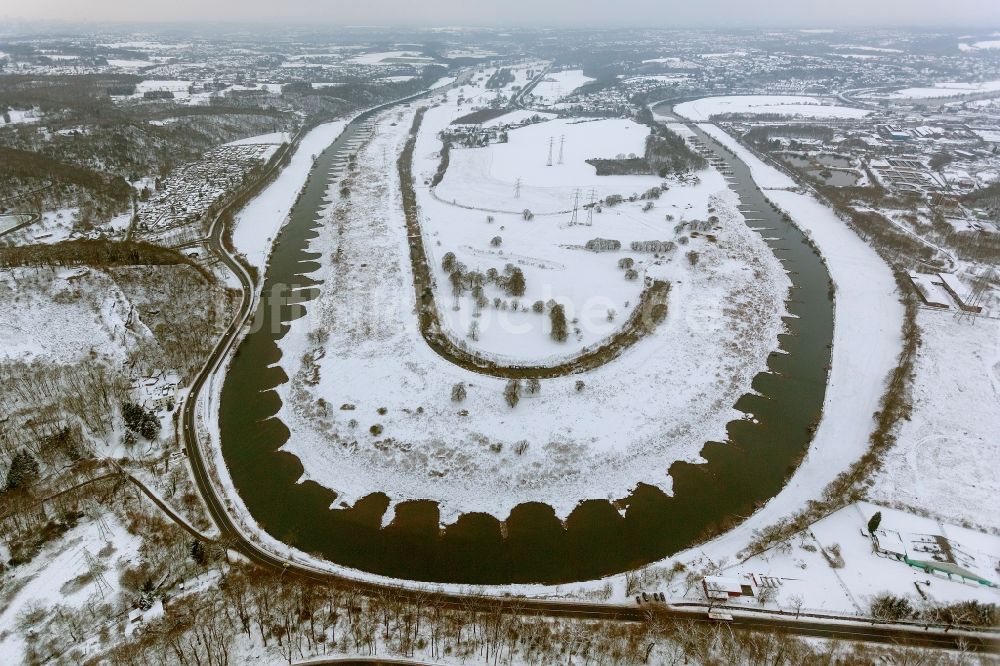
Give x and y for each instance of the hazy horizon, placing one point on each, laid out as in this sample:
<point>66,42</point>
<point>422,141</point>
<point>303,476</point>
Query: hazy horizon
<point>521,13</point>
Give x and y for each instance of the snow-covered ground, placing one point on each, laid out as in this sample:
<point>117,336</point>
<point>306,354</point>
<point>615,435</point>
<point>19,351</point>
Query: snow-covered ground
<point>700,110</point>
<point>517,116</point>
<point>950,440</point>
<point>485,178</point>
<point>9,222</point>
<point>557,85</point>
<point>866,344</point>
<point>390,57</point>
<point>985,44</point>
<point>258,223</point>
<point>20,116</point>
<point>272,138</point>
<point>844,580</point>
<point>946,89</point>
<point>722,322</point>
<point>548,248</point>
<point>61,574</point>
<point>64,316</point>
<point>59,225</point>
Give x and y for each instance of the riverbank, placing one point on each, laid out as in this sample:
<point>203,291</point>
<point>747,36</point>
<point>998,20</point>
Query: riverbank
<point>257,225</point>
<point>404,436</point>
<point>867,341</point>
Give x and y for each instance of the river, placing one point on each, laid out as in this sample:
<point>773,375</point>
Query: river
<point>532,545</point>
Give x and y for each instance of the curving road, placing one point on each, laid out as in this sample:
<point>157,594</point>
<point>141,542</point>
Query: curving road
<point>233,536</point>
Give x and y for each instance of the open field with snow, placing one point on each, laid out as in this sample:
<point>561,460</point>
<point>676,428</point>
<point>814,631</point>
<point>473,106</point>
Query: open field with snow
<point>946,89</point>
<point>61,574</point>
<point>557,85</point>
<point>485,178</point>
<point>866,343</point>
<point>703,109</point>
<point>562,444</point>
<point>951,437</point>
<point>64,316</point>
<point>833,568</point>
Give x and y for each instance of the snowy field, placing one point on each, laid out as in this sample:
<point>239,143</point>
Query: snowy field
<point>516,117</point>
<point>20,116</point>
<point>802,577</point>
<point>61,574</point>
<point>948,89</point>
<point>953,429</point>
<point>981,45</point>
<point>550,251</point>
<point>272,138</point>
<point>485,178</point>
<point>258,223</point>
<point>390,57</point>
<point>558,446</point>
<point>64,316</point>
<point>703,109</point>
<point>557,85</point>
<point>866,343</point>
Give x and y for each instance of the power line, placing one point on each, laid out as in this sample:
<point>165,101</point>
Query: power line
<point>576,207</point>
<point>562,141</point>
<point>549,163</point>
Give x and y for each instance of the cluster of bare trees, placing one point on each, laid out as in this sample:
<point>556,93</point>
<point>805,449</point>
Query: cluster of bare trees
<point>185,312</point>
<point>46,394</point>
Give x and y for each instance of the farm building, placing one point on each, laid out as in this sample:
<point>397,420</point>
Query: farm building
<point>931,290</point>
<point>725,587</point>
<point>959,292</point>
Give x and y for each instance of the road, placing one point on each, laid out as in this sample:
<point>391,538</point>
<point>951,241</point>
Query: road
<point>233,536</point>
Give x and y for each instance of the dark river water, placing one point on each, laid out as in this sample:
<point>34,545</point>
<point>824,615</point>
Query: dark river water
<point>532,544</point>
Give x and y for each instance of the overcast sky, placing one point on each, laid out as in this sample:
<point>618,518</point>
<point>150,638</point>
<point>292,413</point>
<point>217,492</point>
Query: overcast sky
<point>639,13</point>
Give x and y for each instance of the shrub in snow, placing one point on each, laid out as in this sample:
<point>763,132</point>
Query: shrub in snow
<point>458,392</point>
<point>23,471</point>
<point>448,262</point>
<point>890,607</point>
<point>527,215</point>
<point>626,262</point>
<point>515,281</point>
<point>631,274</point>
<point>603,245</point>
<point>652,246</point>
<point>496,241</point>
<point>533,386</point>
<point>580,385</point>
<point>512,393</point>
<point>538,307</point>
<point>521,447</point>
<point>693,257</point>
<point>376,429</point>
<point>138,419</point>
<point>874,522</point>
<point>557,316</point>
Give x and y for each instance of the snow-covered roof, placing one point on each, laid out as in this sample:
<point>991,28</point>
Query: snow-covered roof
<point>723,584</point>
